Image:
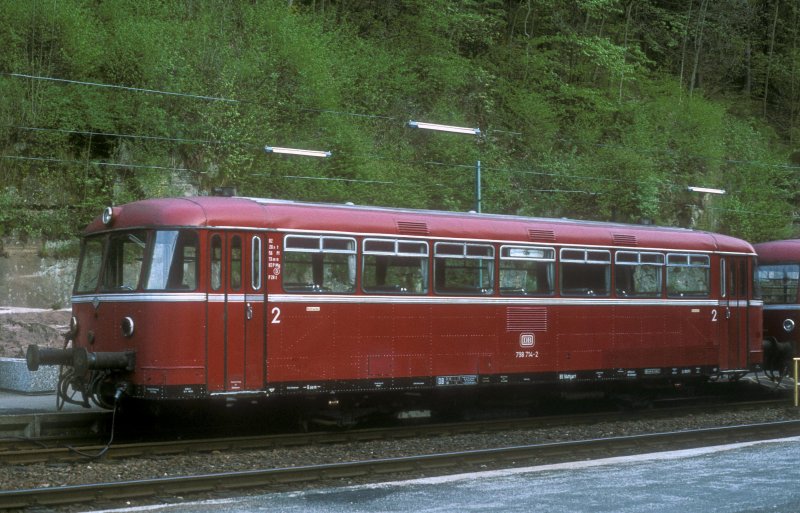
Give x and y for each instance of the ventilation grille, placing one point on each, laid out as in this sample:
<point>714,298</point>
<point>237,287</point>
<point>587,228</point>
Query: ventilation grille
<point>541,235</point>
<point>412,228</point>
<point>526,318</point>
<point>625,240</point>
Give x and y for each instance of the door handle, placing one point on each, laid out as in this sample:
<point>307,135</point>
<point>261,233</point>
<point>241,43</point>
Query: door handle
<point>727,312</point>
<point>249,311</point>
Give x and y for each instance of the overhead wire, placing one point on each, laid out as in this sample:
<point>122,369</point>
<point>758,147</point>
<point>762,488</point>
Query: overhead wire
<point>99,163</point>
<point>389,118</point>
<point>351,114</point>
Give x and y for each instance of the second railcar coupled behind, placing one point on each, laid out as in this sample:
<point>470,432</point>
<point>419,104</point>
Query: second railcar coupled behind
<point>778,278</point>
<point>195,298</point>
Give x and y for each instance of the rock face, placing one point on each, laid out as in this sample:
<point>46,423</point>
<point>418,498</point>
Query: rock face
<point>20,327</point>
<point>29,280</point>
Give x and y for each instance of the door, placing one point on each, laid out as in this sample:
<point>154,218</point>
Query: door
<point>734,313</point>
<point>235,313</point>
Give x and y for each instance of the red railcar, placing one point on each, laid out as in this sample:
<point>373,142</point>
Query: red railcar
<point>778,276</point>
<point>194,298</point>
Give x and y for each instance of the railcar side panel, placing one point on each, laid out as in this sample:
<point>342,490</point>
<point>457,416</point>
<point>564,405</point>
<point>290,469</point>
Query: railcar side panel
<point>395,340</point>
<point>464,339</point>
<point>292,298</point>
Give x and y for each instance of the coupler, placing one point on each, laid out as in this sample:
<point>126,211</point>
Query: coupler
<point>80,358</point>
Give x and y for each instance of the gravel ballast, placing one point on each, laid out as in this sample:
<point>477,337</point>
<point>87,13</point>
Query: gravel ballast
<point>100,470</point>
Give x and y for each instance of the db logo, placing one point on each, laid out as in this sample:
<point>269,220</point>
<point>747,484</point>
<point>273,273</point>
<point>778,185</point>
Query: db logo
<point>527,340</point>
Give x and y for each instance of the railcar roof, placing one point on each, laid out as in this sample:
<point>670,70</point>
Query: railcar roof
<point>778,251</point>
<point>211,211</point>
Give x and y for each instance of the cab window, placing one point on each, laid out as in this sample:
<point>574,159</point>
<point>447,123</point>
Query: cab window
<point>123,263</point>
<point>779,283</point>
<point>88,274</point>
<point>173,264</point>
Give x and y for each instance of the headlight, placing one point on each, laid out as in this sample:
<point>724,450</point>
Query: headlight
<point>127,327</point>
<point>788,325</point>
<point>108,216</point>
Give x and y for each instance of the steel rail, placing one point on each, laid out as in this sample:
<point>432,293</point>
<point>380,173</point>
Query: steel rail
<point>63,453</point>
<point>260,442</point>
<point>454,462</point>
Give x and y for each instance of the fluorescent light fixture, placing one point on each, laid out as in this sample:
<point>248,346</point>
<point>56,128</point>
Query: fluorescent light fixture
<point>293,151</point>
<point>707,190</point>
<point>444,128</point>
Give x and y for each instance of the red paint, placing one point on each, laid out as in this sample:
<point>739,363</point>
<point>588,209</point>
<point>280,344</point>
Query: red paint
<point>245,337</point>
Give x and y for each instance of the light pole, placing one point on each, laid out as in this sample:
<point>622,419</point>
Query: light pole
<point>457,130</point>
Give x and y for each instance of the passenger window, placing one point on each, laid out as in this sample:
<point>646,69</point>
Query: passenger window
<point>526,271</point>
<point>461,268</point>
<point>638,274</point>
<point>687,275</point>
<point>585,272</point>
<point>395,267</point>
<point>236,263</point>
<point>216,262</point>
<point>255,262</point>
<point>319,264</point>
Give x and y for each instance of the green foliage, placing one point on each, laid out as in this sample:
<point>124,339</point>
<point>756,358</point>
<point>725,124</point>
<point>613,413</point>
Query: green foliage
<point>596,109</point>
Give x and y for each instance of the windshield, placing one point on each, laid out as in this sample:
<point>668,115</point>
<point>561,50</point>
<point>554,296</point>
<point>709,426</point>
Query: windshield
<point>139,259</point>
<point>89,268</point>
<point>778,283</point>
<point>174,262</point>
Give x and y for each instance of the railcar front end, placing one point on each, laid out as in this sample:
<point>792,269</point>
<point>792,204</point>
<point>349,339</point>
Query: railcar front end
<point>138,324</point>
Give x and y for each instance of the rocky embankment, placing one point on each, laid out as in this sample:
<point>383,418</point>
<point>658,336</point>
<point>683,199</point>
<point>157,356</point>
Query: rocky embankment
<point>20,327</point>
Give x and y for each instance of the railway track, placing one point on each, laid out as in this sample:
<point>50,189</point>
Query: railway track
<point>17,429</point>
<point>55,450</point>
<point>453,462</point>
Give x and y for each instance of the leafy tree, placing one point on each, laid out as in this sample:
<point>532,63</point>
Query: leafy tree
<point>598,109</point>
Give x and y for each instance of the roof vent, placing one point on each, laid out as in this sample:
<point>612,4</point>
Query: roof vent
<point>541,235</point>
<point>226,192</point>
<point>625,240</point>
<point>412,228</point>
